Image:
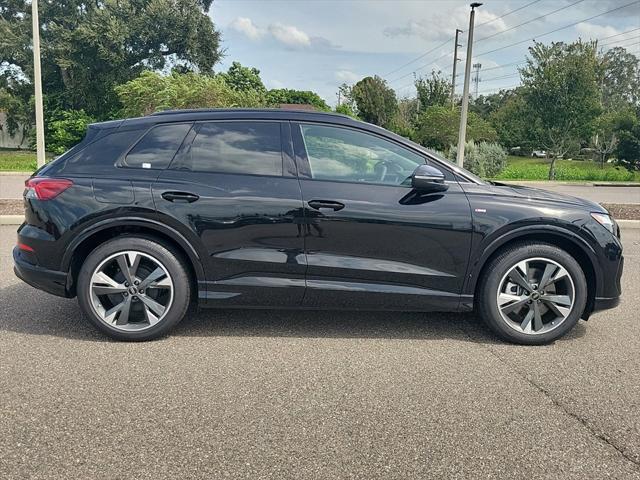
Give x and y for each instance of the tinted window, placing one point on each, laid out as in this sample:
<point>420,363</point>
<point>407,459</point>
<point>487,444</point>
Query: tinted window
<point>105,151</point>
<point>234,147</point>
<point>157,148</point>
<point>343,154</point>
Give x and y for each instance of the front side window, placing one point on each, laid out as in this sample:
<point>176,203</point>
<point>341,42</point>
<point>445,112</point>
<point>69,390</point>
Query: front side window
<point>234,147</point>
<point>343,154</point>
<point>157,147</point>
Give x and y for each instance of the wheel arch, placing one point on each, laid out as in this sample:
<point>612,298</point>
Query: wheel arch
<point>108,229</point>
<point>561,238</point>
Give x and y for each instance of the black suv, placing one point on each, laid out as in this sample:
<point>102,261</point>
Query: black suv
<point>289,209</point>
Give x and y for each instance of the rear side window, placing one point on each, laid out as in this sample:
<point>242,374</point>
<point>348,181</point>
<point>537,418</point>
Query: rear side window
<point>104,151</point>
<point>234,147</point>
<point>157,148</point>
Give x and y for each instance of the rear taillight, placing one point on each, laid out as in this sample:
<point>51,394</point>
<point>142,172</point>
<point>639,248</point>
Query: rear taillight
<point>45,188</point>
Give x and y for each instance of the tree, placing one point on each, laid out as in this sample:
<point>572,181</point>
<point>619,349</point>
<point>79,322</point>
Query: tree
<point>562,94</point>
<point>620,80</point>
<point>88,47</point>
<point>434,90</point>
<point>243,79</point>
<point>375,101</point>
<point>438,128</point>
<point>403,121</point>
<point>279,96</point>
<point>628,131</point>
<point>514,122</point>
<point>151,92</point>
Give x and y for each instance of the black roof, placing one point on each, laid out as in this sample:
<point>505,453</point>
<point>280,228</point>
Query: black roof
<point>240,113</point>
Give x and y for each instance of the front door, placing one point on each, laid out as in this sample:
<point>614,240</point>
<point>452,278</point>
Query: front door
<point>371,240</point>
<point>230,192</point>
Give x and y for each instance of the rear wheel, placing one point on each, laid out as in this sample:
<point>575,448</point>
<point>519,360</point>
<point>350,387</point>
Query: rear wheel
<point>134,288</point>
<point>532,293</point>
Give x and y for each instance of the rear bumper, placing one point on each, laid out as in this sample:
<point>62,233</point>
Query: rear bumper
<point>603,303</point>
<point>50,281</point>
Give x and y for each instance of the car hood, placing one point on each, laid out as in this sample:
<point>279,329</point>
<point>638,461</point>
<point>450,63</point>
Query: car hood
<point>545,196</point>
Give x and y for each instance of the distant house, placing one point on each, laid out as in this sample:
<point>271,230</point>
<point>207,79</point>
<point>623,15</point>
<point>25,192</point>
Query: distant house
<point>297,106</point>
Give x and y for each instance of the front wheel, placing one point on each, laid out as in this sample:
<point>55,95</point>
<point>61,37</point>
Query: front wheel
<point>532,293</point>
<point>134,288</point>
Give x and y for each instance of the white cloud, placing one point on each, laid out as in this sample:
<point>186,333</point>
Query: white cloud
<point>440,26</point>
<point>246,26</point>
<point>589,31</point>
<point>347,76</point>
<point>289,35</point>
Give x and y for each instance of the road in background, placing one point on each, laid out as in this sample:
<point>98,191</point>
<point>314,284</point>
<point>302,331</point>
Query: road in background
<point>315,395</point>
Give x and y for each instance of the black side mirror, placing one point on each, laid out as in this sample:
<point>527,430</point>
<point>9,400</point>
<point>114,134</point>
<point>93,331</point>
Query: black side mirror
<point>428,178</point>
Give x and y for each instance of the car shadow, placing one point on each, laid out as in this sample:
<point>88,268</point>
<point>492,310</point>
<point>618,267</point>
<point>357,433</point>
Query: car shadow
<point>28,311</point>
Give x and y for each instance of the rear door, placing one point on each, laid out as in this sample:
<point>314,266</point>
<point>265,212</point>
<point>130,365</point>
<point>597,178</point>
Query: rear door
<point>372,241</point>
<point>232,189</point>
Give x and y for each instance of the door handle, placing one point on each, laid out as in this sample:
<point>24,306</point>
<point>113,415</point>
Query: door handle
<point>318,204</point>
<point>180,197</point>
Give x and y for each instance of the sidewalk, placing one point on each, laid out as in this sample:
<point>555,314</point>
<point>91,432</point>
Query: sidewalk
<point>12,184</point>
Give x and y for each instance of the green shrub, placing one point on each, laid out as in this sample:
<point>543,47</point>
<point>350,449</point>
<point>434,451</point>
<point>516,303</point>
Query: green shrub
<point>532,171</point>
<point>66,129</point>
<point>484,159</point>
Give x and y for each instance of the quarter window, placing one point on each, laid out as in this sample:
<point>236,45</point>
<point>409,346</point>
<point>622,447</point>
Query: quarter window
<point>234,147</point>
<point>157,148</point>
<point>343,154</point>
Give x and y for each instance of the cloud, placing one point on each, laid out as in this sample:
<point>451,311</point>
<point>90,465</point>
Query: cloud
<point>440,26</point>
<point>347,76</point>
<point>289,35</point>
<point>246,26</point>
<point>589,31</point>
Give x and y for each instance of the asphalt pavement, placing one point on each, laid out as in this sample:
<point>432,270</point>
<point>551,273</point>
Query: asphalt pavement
<point>315,395</point>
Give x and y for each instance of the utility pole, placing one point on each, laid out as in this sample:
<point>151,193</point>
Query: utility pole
<point>476,78</point>
<point>465,92</point>
<point>455,64</point>
<point>37,81</point>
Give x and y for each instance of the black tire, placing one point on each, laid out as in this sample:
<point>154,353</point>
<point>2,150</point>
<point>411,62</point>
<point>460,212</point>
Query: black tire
<point>497,268</point>
<point>174,265</point>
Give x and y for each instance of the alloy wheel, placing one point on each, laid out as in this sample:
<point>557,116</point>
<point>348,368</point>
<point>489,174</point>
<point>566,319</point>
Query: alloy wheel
<point>131,290</point>
<point>536,295</point>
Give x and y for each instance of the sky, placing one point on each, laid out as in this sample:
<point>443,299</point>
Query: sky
<point>319,44</point>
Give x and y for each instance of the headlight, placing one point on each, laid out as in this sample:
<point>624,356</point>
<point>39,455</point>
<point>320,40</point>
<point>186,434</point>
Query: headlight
<point>605,220</point>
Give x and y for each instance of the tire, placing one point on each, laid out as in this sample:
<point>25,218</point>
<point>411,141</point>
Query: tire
<point>537,314</point>
<point>145,303</point>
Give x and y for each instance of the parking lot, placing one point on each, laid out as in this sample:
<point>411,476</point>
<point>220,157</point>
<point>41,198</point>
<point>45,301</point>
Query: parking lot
<point>318,395</point>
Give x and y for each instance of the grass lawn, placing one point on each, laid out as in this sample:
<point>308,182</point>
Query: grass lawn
<point>528,168</point>
<point>17,161</point>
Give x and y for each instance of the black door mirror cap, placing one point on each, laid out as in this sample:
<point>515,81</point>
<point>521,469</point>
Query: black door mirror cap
<point>428,178</point>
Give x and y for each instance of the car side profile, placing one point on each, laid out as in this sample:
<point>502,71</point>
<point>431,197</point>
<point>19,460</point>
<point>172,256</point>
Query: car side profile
<point>149,217</point>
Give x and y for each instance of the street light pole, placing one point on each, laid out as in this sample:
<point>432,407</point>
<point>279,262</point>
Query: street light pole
<point>455,64</point>
<point>37,81</point>
<point>465,92</point>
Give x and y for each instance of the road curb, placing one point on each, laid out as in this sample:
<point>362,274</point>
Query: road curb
<point>15,174</point>
<point>11,219</point>
<point>629,223</point>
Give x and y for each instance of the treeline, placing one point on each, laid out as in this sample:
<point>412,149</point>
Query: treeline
<point>104,60</point>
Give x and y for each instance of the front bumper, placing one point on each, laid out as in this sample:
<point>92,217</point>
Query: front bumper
<point>50,281</point>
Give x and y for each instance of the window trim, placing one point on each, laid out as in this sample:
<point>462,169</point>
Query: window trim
<point>121,162</point>
<point>198,124</point>
<point>304,166</point>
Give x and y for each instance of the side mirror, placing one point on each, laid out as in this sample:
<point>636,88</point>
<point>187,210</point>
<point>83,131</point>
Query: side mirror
<point>428,178</point>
